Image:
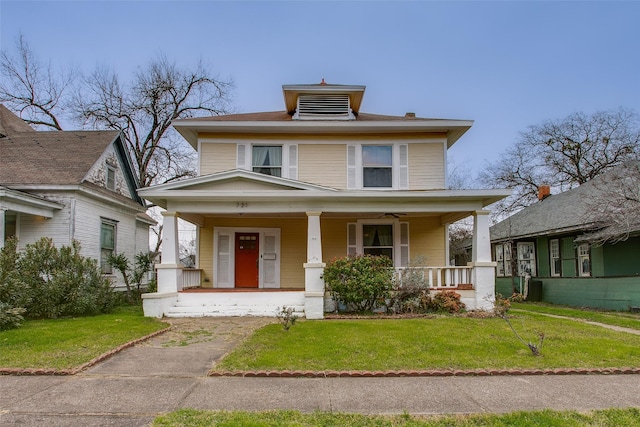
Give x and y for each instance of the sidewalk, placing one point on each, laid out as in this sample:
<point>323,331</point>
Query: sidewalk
<point>169,372</point>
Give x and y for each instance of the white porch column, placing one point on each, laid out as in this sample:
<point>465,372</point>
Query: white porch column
<point>484,273</point>
<point>169,271</point>
<point>313,269</point>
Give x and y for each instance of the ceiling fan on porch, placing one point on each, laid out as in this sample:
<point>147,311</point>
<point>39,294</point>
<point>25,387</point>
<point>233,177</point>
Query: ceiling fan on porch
<point>391,214</point>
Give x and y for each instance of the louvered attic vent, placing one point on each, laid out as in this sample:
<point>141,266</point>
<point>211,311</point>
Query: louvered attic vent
<point>323,107</point>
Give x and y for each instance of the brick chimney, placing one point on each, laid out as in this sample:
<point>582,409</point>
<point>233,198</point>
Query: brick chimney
<point>410,116</point>
<point>544,191</point>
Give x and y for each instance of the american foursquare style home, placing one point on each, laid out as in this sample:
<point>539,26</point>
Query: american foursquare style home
<point>278,194</point>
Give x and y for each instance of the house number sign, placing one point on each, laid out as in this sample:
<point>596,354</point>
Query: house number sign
<point>242,205</point>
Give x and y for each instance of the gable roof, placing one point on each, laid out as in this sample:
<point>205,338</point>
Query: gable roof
<point>56,158</point>
<point>51,157</point>
<point>11,124</point>
<point>566,212</point>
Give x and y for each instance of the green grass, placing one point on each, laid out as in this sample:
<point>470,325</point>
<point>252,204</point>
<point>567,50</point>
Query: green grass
<point>433,343</point>
<point>603,418</point>
<point>616,318</point>
<point>70,342</point>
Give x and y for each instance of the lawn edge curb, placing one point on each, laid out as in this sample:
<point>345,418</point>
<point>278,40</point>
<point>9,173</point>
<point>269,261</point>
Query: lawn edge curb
<point>78,369</point>
<point>424,373</point>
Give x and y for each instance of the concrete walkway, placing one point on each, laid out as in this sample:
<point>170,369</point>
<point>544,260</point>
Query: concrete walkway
<point>169,371</point>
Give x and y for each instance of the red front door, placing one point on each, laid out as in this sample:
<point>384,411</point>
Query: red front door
<point>247,255</point>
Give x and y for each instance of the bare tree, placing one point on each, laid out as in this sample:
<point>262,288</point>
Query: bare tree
<point>564,154</point>
<point>614,205</point>
<point>34,89</point>
<point>144,109</point>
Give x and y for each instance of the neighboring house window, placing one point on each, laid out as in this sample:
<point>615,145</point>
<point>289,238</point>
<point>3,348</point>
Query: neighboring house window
<point>584,261</point>
<point>526,259</point>
<point>377,166</point>
<point>503,259</point>
<point>107,245</point>
<point>267,160</point>
<point>554,255</point>
<point>380,237</point>
<point>111,178</point>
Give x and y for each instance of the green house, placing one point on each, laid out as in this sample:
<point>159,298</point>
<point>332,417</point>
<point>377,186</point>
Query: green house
<point>570,248</point>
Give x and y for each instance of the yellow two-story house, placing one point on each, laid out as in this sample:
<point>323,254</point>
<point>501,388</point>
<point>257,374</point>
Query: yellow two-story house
<point>278,194</point>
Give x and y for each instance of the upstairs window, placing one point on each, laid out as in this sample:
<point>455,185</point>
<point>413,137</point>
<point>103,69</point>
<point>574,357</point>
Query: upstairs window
<point>110,178</point>
<point>267,160</point>
<point>377,166</point>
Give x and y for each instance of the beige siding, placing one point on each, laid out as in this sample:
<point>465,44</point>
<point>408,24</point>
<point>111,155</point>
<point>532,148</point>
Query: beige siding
<point>293,246</point>
<point>426,166</point>
<point>205,256</point>
<point>323,164</point>
<point>427,240</point>
<point>217,158</point>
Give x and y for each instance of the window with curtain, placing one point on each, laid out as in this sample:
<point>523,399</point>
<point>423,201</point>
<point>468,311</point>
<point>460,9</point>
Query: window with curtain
<point>377,166</point>
<point>378,239</point>
<point>267,159</point>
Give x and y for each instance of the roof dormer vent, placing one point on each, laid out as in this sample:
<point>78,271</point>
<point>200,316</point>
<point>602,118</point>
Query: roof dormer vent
<point>324,107</point>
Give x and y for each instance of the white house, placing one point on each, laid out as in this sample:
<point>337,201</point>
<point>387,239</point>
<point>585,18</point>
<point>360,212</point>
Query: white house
<point>280,193</point>
<point>71,185</point>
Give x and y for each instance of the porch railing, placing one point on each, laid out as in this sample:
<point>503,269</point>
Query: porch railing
<point>435,277</point>
<point>190,278</point>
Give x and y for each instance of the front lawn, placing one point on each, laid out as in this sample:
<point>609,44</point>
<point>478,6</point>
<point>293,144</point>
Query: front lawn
<point>433,343</point>
<point>615,318</point>
<point>70,342</point>
<point>603,418</point>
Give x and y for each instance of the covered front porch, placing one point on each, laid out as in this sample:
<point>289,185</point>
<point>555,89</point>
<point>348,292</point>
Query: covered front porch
<point>266,247</point>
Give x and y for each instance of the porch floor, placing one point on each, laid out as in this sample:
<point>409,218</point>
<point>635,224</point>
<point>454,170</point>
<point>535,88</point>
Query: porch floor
<point>216,290</point>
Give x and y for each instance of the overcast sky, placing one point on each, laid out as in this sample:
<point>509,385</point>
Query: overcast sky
<point>505,65</point>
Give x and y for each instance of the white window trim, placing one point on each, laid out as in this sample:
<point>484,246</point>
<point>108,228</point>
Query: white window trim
<point>552,259</point>
<point>231,231</point>
<point>399,173</point>
<point>532,257</point>
<point>397,238</point>
<point>289,168</point>
<point>581,257</point>
<point>114,223</point>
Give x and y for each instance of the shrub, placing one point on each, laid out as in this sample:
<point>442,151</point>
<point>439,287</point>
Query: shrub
<point>287,317</point>
<point>446,302</point>
<point>10,317</point>
<point>359,282</point>
<point>133,276</point>
<point>410,292</point>
<point>51,282</point>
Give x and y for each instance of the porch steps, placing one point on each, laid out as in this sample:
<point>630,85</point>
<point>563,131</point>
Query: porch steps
<point>235,304</point>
